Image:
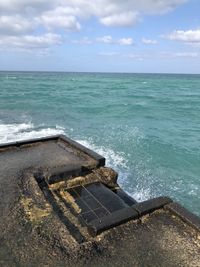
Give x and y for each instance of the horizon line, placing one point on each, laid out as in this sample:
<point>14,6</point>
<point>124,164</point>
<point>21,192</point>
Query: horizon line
<point>99,72</point>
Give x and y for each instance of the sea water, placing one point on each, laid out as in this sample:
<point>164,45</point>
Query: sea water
<point>147,126</point>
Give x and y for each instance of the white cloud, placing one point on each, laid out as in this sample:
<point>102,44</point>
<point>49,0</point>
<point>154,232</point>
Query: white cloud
<point>189,36</point>
<point>97,7</point>
<point>15,25</point>
<point>107,39</point>
<point>187,54</point>
<point>83,41</point>
<point>125,41</point>
<point>157,6</point>
<point>122,19</point>
<point>68,23</point>
<point>61,17</point>
<point>169,55</point>
<point>25,17</point>
<point>108,12</point>
<point>149,41</point>
<point>30,42</point>
<point>24,6</point>
<point>137,57</point>
<point>164,55</point>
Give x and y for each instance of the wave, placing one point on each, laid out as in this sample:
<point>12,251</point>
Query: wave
<point>114,159</point>
<point>117,160</point>
<point>22,131</point>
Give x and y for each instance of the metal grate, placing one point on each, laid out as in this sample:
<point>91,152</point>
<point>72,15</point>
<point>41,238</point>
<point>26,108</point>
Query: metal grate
<point>95,201</point>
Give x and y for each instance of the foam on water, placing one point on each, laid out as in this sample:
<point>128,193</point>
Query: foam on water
<point>22,131</point>
<point>118,160</point>
<point>146,126</point>
<point>115,159</point>
<point>141,195</point>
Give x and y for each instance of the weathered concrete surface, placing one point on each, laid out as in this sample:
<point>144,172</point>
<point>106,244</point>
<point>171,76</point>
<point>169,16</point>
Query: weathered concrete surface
<point>36,228</point>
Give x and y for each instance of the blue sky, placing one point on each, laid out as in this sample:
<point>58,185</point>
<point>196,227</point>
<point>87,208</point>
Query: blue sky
<point>101,35</point>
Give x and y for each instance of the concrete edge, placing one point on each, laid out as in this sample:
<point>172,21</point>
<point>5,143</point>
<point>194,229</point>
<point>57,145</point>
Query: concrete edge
<point>29,141</point>
<point>151,205</point>
<point>184,214</point>
<point>135,211</point>
<point>114,219</point>
<point>62,173</point>
<point>100,159</point>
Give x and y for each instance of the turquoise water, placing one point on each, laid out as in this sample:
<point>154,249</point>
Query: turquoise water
<point>146,125</point>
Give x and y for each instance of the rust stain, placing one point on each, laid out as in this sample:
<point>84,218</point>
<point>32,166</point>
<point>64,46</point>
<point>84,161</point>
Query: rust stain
<point>69,198</point>
<point>34,213</point>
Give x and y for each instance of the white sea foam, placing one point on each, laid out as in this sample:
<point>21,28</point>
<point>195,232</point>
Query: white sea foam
<point>21,131</point>
<point>17,132</point>
<point>11,77</point>
<point>141,195</point>
<point>115,159</point>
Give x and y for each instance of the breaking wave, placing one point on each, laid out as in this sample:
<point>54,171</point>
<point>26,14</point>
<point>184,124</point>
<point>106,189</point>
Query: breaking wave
<point>117,160</point>
<point>17,132</point>
<point>114,159</point>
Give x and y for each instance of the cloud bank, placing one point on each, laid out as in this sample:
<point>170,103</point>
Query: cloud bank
<point>189,36</point>
<point>149,41</point>
<point>107,39</point>
<point>21,19</point>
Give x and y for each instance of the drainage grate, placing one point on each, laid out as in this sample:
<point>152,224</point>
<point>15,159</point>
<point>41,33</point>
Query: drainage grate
<point>95,201</point>
<point>96,206</point>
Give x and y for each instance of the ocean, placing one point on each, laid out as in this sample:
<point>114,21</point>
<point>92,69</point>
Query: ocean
<point>147,126</point>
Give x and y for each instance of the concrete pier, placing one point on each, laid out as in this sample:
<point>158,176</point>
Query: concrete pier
<point>60,206</point>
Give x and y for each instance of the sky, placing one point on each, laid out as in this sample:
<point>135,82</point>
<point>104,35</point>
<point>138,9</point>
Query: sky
<point>145,36</point>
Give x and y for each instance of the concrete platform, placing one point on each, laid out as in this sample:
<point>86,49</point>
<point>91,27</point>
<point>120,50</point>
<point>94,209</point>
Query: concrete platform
<point>60,206</point>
